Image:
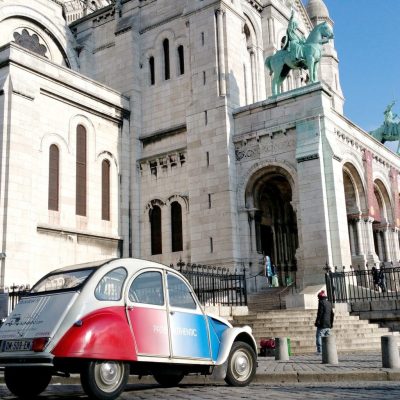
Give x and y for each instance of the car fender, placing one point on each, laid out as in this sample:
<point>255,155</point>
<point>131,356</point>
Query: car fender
<point>102,334</point>
<point>243,334</point>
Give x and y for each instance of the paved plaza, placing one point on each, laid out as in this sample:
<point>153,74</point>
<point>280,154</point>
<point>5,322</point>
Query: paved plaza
<point>357,376</point>
<point>346,390</point>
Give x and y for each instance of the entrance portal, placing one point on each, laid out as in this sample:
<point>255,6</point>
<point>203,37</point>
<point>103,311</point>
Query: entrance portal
<point>275,222</point>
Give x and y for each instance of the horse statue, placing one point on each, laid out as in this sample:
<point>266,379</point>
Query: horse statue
<point>310,53</point>
<point>389,131</point>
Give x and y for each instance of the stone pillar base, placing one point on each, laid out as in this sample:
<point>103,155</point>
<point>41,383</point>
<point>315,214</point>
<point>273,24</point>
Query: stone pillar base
<point>307,299</point>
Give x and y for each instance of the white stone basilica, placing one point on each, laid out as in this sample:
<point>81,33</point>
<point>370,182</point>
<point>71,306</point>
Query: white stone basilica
<point>147,128</point>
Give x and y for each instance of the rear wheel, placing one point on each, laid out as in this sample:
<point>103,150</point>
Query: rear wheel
<point>27,383</point>
<point>241,365</point>
<point>169,379</point>
<point>104,380</point>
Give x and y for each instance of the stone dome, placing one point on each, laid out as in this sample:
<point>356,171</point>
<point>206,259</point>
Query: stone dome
<point>317,9</point>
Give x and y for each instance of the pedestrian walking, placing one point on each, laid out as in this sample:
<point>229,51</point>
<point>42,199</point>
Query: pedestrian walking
<point>324,320</point>
<point>375,278</point>
<point>382,278</point>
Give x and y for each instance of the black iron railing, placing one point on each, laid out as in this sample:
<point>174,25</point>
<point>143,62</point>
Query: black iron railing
<point>215,285</point>
<point>9,297</point>
<point>362,283</point>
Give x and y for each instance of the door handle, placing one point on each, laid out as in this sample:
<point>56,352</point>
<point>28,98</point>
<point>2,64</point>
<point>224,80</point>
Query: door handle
<point>172,312</point>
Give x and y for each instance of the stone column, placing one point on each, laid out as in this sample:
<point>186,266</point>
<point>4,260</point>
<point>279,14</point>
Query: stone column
<point>396,249</point>
<point>253,75</point>
<point>252,230</point>
<point>359,236</point>
<point>270,30</point>
<point>221,52</point>
<point>386,244</point>
<point>370,235</point>
<point>379,250</point>
<point>351,237</point>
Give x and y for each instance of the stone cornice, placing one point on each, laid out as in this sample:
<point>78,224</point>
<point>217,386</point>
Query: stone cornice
<point>46,228</point>
<point>163,133</point>
<point>256,4</point>
<point>349,140</point>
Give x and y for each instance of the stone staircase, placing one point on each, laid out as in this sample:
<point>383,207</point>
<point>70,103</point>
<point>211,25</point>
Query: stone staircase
<point>267,299</point>
<point>269,318</point>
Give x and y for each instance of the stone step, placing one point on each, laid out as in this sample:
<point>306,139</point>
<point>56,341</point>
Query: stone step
<point>294,319</point>
<point>347,343</point>
<point>290,314</point>
<point>305,332</point>
<point>267,320</point>
<point>345,325</point>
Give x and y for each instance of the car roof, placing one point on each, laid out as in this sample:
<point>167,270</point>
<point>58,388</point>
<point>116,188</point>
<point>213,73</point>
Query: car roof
<point>133,262</point>
<point>74,267</point>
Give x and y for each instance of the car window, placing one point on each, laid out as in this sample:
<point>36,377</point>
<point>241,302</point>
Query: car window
<point>179,293</point>
<point>62,281</point>
<point>110,286</point>
<point>147,288</point>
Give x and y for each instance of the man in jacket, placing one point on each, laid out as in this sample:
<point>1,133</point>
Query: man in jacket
<point>324,320</point>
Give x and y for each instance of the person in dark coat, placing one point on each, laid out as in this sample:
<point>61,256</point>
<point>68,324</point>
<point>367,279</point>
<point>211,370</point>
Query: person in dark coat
<point>324,320</point>
<point>375,278</point>
<point>382,278</point>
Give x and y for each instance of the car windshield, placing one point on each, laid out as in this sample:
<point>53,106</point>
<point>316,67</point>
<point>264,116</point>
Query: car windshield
<point>62,280</point>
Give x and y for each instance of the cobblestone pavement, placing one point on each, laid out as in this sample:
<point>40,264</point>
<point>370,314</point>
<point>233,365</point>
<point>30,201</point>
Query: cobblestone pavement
<point>313,363</point>
<point>359,391</point>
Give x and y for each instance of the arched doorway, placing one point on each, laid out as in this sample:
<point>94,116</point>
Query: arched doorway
<point>356,209</point>
<point>383,219</point>
<point>275,221</point>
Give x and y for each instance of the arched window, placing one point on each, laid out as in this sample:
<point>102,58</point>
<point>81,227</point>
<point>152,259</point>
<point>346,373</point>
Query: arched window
<point>80,170</point>
<point>176,226</point>
<point>54,177</point>
<point>167,74</point>
<point>152,71</point>
<point>155,226</point>
<point>181,60</point>
<point>105,190</point>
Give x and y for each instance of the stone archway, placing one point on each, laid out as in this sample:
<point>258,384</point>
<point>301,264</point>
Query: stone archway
<point>356,210</point>
<point>270,194</point>
<point>383,220</point>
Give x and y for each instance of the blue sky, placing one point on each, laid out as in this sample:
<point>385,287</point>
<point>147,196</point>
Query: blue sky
<point>367,39</point>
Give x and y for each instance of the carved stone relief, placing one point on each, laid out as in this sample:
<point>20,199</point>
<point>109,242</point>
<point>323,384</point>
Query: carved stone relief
<point>257,147</point>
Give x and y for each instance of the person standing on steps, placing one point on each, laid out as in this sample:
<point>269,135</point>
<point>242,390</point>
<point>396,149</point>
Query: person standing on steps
<point>268,270</point>
<point>324,320</point>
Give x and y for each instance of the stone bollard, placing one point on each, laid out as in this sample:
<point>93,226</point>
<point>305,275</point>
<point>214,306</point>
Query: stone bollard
<point>281,349</point>
<point>329,352</point>
<point>390,352</point>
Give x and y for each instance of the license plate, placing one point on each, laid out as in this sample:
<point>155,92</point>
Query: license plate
<point>17,345</point>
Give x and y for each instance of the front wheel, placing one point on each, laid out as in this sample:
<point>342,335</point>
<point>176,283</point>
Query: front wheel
<point>27,383</point>
<point>104,380</point>
<point>241,365</point>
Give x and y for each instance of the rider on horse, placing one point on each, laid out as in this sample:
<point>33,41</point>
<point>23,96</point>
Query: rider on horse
<point>294,41</point>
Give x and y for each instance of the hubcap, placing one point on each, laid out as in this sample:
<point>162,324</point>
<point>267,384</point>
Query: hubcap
<point>108,375</point>
<point>241,365</point>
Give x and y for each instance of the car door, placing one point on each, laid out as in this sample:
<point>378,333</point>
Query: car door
<point>148,314</point>
<point>188,325</point>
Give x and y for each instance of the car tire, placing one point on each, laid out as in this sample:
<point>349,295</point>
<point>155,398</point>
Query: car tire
<point>169,379</point>
<point>26,383</point>
<point>104,380</point>
<point>242,365</point>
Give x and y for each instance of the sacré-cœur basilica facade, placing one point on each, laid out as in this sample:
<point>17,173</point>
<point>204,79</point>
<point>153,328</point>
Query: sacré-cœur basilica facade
<point>148,128</point>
